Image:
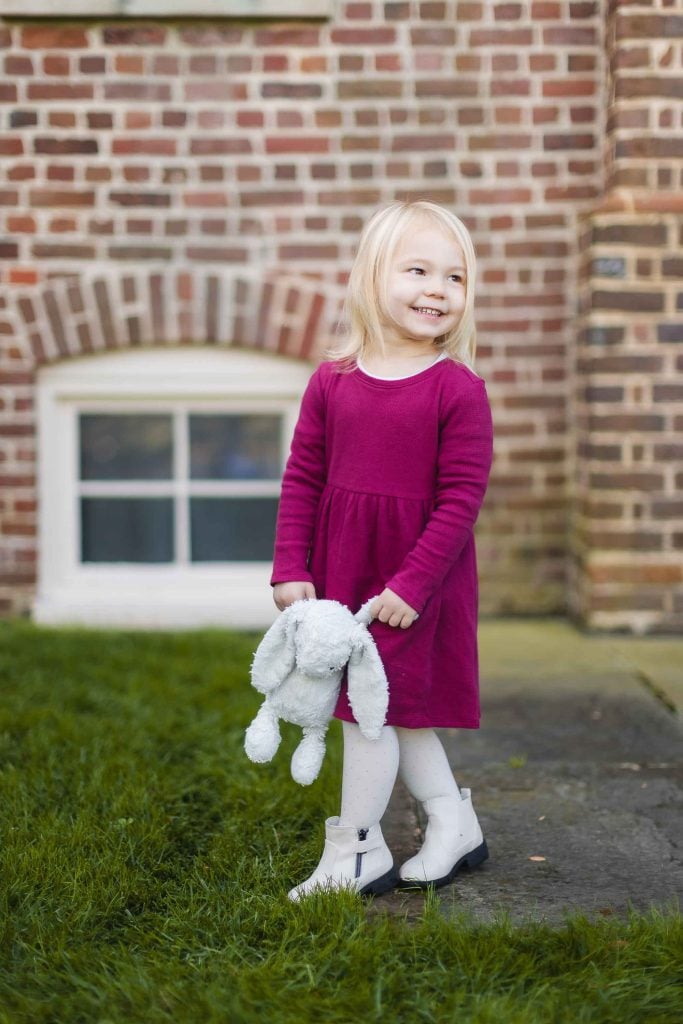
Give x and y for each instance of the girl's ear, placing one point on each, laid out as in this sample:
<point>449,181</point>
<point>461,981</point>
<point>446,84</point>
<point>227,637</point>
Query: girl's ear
<point>274,658</point>
<point>368,688</point>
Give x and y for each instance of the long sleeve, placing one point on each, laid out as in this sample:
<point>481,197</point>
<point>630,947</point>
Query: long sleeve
<point>464,463</point>
<point>302,484</point>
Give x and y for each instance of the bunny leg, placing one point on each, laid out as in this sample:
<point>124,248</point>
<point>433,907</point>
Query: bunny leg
<point>263,735</point>
<point>308,756</point>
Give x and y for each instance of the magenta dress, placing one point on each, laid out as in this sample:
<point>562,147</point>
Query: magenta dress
<point>382,489</point>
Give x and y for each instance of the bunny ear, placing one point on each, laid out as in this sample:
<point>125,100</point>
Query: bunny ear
<point>363,615</point>
<point>274,656</point>
<point>368,687</point>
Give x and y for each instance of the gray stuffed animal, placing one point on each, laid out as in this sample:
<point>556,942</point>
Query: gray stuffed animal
<point>299,666</point>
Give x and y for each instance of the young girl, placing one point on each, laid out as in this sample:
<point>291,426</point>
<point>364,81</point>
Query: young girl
<point>388,469</point>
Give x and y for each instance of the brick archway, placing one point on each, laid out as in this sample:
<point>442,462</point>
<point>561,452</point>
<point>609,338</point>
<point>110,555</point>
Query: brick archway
<point>106,310</point>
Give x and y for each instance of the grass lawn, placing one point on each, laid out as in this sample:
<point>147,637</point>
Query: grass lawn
<point>145,865</point>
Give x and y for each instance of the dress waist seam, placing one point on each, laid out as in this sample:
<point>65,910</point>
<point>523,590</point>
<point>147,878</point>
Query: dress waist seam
<point>377,494</point>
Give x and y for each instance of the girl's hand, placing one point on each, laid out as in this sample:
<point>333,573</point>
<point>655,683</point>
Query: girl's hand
<point>285,594</point>
<point>390,608</point>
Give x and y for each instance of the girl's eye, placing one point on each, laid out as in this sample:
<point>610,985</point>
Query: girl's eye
<point>416,270</point>
<point>456,277</point>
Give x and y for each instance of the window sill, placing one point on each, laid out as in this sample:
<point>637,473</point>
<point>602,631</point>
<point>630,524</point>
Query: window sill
<point>153,597</point>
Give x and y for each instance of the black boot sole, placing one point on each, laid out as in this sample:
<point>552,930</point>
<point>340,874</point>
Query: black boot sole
<point>385,883</point>
<point>471,860</point>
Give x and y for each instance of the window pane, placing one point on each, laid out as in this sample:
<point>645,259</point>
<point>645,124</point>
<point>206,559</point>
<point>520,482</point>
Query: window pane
<point>242,447</point>
<point>232,529</point>
<point>126,447</point>
<point>126,529</point>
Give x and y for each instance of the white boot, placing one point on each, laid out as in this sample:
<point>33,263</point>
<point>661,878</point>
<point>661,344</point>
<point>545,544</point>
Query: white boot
<point>356,859</point>
<point>453,838</point>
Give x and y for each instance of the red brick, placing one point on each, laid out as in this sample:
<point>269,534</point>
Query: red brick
<point>547,10</point>
<point>286,36</point>
<point>308,252</point>
<point>507,12</point>
<point>397,11</point>
<point>146,146</point>
<point>274,62</point>
<point>625,233</point>
<point>570,87</point>
<point>434,10</point>
<point>501,37</point>
<point>360,11</point>
<point>271,198</point>
<point>11,146</point>
<point>135,34</point>
<point>504,62</point>
<point>370,89</point>
<point>631,300</point>
<point>56,65</point>
<point>499,141</point>
<point>129,64</point>
<point>569,36</point>
<point>510,87</point>
<point>291,90</point>
<point>43,144</point>
<point>402,143</point>
<point>500,195</point>
<point>299,144</point>
<point>55,197</point>
<point>315,65</point>
<point>53,37</point>
<point>164,64</point>
<point>569,140</point>
<point>443,37</point>
<point>381,36</point>
<point>648,26</point>
<point>160,199</point>
<point>653,86</point>
<point>542,62</point>
<point>50,91</point>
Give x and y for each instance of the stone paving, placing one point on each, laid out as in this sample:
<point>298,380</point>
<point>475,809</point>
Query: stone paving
<point>578,765</point>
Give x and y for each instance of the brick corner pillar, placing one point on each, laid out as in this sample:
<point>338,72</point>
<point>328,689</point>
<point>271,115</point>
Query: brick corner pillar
<point>626,543</point>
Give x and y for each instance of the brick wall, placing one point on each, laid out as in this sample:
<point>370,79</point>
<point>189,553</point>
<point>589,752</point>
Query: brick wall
<point>148,151</point>
<point>627,539</point>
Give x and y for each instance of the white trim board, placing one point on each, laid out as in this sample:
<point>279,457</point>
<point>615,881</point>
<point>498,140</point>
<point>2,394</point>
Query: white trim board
<point>309,9</point>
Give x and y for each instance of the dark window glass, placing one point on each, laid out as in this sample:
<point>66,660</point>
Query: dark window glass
<point>239,447</point>
<point>124,446</point>
<point>232,529</point>
<point>127,529</point>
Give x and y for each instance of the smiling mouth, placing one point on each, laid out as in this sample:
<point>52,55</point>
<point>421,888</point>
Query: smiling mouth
<point>428,311</point>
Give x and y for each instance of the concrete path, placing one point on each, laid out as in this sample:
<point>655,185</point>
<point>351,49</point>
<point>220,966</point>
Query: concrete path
<point>578,765</point>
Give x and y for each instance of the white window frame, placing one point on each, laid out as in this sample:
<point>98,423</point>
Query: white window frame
<point>168,8</point>
<point>157,595</point>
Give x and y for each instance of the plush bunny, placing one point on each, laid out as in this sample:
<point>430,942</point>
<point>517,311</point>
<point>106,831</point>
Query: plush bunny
<point>299,665</point>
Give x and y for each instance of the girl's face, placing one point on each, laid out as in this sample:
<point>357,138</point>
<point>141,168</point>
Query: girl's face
<point>426,287</point>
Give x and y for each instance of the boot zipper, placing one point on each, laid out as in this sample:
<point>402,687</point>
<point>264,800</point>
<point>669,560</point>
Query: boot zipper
<point>362,835</point>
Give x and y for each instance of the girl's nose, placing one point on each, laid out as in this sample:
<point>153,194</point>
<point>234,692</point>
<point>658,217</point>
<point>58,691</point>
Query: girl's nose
<point>434,286</point>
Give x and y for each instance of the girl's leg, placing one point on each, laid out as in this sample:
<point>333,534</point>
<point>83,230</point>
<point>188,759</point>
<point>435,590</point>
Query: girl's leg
<point>453,836</point>
<point>369,774</point>
<point>355,855</point>
<point>423,765</point>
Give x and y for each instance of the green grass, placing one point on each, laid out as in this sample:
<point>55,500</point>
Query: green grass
<point>145,865</point>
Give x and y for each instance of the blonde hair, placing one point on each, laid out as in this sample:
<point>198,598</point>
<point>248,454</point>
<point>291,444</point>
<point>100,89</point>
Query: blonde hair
<point>365,308</point>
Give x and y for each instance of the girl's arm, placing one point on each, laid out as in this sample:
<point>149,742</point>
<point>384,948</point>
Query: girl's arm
<point>302,485</point>
<point>464,463</point>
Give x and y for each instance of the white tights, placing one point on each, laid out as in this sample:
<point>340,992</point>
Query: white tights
<point>371,766</point>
